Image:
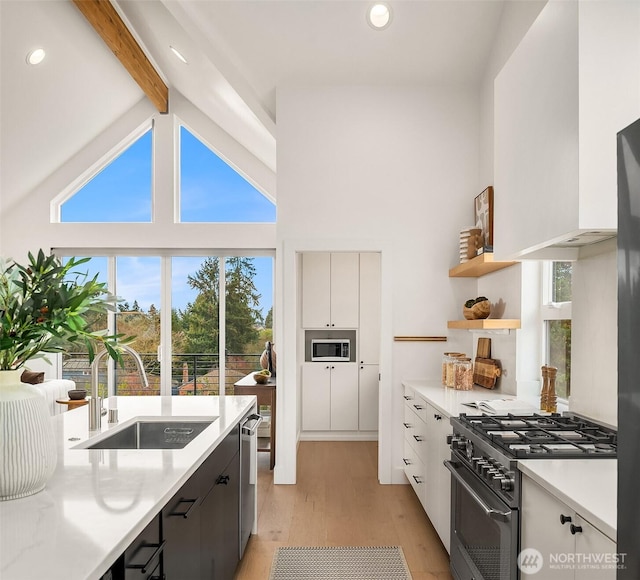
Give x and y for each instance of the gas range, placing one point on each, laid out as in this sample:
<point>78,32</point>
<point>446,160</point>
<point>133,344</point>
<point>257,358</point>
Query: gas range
<point>486,482</point>
<point>491,445</point>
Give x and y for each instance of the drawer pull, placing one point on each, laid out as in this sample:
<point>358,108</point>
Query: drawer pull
<point>419,407</point>
<point>144,567</point>
<point>223,480</point>
<point>418,438</point>
<point>417,479</point>
<point>406,461</point>
<point>407,398</point>
<point>437,417</point>
<point>407,425</point>
<point>185,514</point>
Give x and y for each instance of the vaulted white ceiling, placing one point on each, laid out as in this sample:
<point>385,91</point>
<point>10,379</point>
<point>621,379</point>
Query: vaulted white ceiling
<point>239,53</point>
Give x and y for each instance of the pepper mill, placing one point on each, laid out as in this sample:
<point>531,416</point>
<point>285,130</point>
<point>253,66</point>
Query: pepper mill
<point>544,392</point>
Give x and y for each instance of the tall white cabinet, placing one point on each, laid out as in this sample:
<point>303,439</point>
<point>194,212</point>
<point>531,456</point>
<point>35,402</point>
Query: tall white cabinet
<point>340,291</point>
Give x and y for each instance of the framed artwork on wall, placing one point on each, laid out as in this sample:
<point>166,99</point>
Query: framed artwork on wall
<point>484,217</point>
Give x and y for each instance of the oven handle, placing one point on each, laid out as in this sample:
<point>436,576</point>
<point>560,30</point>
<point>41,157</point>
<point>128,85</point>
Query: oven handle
<point>493,514</point>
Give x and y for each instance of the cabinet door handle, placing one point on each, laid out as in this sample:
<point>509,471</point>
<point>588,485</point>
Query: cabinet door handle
<point>437,417</point>
<point>407,398</point>
<point>575,529</point>
<point>564,519</point>
<point>419,407</point>
<point>417,479</point>
<point>407,425</point>
<point>406,461</point>
<point>185,514</point>
<point>223,480</point>
<point>418,438</point>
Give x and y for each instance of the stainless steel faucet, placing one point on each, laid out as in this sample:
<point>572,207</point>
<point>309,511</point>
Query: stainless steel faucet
<point>95,402</point>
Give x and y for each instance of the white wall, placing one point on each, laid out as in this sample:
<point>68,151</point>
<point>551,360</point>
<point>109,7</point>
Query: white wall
<point>394,169</point>
<point>594,330</point>
<point>28,226</point>
<point>512,285</point>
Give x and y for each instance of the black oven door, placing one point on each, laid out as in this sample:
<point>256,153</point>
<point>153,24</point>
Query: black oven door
<point>484,529</point>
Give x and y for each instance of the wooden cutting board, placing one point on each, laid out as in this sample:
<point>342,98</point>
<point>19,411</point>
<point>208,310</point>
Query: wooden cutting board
<point>486,372</point>
<point>484,348</point>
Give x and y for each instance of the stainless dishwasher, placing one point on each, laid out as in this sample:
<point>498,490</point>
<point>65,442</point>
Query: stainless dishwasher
<point>248,476</point>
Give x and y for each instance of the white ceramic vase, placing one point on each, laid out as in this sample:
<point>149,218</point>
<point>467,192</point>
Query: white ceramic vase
<point>27,445</point>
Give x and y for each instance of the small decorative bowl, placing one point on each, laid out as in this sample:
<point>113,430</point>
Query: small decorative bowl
<point>468,313</point>
<point>260,378</point>
<point>77,394</point>
<point>481,309</point>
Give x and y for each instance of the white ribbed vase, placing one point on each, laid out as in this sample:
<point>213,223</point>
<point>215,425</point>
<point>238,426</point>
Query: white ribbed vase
<point>27,446</point>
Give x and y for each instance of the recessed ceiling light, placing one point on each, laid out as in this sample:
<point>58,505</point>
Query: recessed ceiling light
<point>36,56</point>
<point>178,54</point>
<point>379,15</point>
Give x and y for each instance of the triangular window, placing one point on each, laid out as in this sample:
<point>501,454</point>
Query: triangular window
<point>212,191</point>
<point>120,192</point>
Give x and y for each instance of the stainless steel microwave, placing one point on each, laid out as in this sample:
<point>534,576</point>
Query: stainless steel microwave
<point>330,349</point>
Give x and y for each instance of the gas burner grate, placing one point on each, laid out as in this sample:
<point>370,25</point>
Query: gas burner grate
<point>544,435</point>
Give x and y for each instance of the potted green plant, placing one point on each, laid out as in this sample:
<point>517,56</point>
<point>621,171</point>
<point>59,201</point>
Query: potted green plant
<point>43,309</point>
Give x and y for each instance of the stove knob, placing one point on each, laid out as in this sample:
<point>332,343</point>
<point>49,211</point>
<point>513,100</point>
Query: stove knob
<point>507,484</point>
<point>459,444</point>
<point>485,469</point>
<point>496,481</point>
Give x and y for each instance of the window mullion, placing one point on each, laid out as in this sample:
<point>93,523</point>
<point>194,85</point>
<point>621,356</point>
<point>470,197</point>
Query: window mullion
<point>222,359</point>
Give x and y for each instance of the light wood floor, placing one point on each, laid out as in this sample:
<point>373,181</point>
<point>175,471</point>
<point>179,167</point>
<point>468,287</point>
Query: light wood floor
<point>337,501</point>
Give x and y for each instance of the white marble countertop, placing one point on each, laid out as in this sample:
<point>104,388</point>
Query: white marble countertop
<point>449,401</point>
<point>588,486</point>
<point>98,501</point>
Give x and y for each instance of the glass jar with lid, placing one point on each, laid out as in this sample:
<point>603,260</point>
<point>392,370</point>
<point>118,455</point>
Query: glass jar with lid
<point>448,371</point>
<point>463,374</point>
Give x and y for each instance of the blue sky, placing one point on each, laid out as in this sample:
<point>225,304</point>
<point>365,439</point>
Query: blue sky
<point>210,191</point>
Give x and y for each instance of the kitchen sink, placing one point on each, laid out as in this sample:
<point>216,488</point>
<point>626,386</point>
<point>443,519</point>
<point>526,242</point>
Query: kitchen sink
<point>151,434</point>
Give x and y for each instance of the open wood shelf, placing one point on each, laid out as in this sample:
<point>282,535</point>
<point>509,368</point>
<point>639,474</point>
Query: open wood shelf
<point>478,266</point>
<point>485,324</point>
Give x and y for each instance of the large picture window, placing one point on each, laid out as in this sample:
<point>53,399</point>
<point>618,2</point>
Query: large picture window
<point>217,312</point>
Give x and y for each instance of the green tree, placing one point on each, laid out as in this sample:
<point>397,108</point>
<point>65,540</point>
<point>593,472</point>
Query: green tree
<point>200,319</point>
<point>268,321</point>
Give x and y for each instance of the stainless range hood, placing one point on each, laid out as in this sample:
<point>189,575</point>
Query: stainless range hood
<point>566,247</point>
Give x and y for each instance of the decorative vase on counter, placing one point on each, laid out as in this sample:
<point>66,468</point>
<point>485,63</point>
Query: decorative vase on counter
<point>27,445</point>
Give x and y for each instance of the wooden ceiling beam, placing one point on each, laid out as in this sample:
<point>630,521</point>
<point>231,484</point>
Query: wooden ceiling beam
<point>107,22</point>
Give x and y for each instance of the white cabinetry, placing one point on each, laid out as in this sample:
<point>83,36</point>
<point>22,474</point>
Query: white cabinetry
<point>573,550</point>
<point>369,320</point>
<point>571,84</point>
<point>342,291</point>
<point>330,290</point>
<point>438,480</point>
<point>329,397</point>
<point>368,397</point>
<point>425,449</point>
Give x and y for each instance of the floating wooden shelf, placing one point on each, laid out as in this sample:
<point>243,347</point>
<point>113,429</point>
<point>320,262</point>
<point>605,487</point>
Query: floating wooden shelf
<point>485,324</point>
<point>478,266</point>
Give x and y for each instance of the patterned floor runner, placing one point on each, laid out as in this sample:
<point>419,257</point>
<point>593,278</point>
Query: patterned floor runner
<point>339,563</point>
